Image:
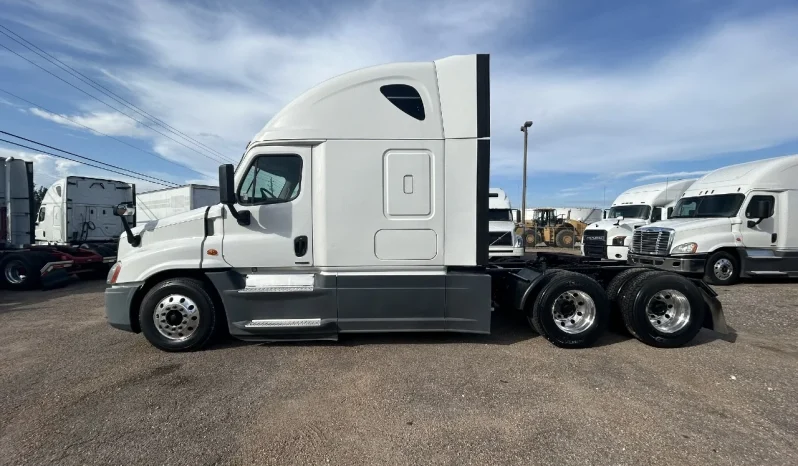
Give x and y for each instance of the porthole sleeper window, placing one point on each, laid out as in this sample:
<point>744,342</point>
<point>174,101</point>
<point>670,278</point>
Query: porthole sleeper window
<point>405,98</point>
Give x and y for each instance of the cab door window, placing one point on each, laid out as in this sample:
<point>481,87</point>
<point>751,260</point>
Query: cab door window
<point>271,179</point>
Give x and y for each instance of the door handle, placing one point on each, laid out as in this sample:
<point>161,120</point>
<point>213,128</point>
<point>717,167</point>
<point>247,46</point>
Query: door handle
<point>773,237</point>
<point>300,245</point>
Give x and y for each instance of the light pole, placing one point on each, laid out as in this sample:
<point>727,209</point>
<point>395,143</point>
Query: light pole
<point>524,129</point>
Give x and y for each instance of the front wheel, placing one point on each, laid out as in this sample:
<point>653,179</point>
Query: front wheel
<point>564,239</point>
<point>570,311</point>
<point>722,269</point>
<point>662,309</point>
<point>178,315</point>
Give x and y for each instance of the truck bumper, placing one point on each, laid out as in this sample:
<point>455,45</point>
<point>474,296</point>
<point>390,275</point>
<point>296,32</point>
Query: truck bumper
<point>117,305</point>
<point>683,264</point>
<point>506,251</point>
<point>617,253</point>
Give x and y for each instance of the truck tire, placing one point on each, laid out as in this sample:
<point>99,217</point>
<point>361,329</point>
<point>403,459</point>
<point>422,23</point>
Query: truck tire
<point>564,239</point>
<point>20,271</point>
<point>571,310</point>
<point>178,315</point>
<point>662,309</point>
<point>619,282</point>
<point>722,269</point>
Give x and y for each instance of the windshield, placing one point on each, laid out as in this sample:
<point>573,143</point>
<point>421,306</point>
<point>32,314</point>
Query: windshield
<point>500,215</point>
<point>630,211</point>
<point>723,205</point>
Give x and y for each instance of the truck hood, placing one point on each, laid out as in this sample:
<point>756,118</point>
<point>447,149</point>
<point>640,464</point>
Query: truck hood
<point>691,224</point>
<point>187,227</point>
<point>609,223</point>
<point>501,226</point>
<point>183,217</point>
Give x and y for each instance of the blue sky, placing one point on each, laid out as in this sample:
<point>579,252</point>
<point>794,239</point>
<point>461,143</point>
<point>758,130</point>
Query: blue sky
<point>622,92</point>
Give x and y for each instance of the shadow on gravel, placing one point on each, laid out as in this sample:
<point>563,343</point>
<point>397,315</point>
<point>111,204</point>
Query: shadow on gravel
<point>506,329</point>
<point>708,336</point>
<point>11,300</point>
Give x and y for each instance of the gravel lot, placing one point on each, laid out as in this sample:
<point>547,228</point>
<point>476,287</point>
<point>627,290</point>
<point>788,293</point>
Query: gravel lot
<point>75,391</point>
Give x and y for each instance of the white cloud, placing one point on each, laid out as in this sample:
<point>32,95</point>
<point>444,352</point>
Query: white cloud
<point>110,123</point>
<point>672,176</point>
<point>48,169</point>
<point>219,74</point>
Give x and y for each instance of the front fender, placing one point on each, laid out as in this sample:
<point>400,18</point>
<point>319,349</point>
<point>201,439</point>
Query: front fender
<point>178,253</point>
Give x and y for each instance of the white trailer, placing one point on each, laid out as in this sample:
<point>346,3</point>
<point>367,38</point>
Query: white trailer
<point>642,205</point>
<point>737,221</point>
<point>154,205</point>
<point>363,206</point>
<point>504,242</point>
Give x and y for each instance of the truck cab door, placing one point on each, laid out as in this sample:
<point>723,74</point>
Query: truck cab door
<point>760,234</point>
<point>276,191</point>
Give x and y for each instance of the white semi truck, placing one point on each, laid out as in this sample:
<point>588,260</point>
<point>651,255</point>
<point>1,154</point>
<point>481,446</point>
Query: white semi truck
<point>504,242</point>
<point>363,206</point>
<point>610,238</point>
<point>162,203</point>
<point>737,221</point>
<point>23,263</point>
<point>79,211</point>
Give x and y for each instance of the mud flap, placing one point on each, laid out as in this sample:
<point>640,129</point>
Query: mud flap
<point>714,319</point>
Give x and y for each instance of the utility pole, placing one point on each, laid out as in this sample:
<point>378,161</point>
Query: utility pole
<point>524,129</point>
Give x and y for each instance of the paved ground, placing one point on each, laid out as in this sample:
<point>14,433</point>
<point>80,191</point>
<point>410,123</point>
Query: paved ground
<point>75,391</point>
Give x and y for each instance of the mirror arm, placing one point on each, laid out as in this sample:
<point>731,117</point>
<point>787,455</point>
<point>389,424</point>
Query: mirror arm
<point>134,240</point>
<point>752,224</point>
<point>243,217</point>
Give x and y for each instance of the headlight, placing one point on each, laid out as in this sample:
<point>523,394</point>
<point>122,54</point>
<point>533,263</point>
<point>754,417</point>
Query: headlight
<point>618,240</point>
<point>686,248</point>
<point>518,242</point>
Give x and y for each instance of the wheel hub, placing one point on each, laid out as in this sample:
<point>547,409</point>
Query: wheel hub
<point>669,311</point>
<point>574,311</point>
<point>15,272</point>
<point>723,269</point>
<point>176,317</point>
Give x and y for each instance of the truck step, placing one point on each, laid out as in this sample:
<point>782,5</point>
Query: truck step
<point>283,323</point>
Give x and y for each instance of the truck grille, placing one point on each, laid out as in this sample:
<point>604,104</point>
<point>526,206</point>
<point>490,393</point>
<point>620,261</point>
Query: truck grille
<point>651,241</point>
<point>595,243</point>
<point>501,238</point>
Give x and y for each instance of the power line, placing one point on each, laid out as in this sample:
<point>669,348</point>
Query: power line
<point>86,158</point>
<point>108,105</point>
<point>83,163</point>
<point>101,133</point>
<point>55,61</point>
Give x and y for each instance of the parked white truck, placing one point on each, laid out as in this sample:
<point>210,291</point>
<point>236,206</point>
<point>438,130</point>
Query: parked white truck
<point>363,206</point>
<point>610,238</point>
<point>24,264</point>
<point>504,242</point>
<point>79,211</point>
<point>737,221</point>
<point>154,205</point>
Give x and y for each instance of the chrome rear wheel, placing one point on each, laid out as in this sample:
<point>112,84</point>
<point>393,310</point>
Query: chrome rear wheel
<point>669,311</point>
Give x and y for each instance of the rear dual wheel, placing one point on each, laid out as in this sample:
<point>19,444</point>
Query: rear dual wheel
<point>661,309</point>
<point>571,310</point>
<point>20,271</point>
